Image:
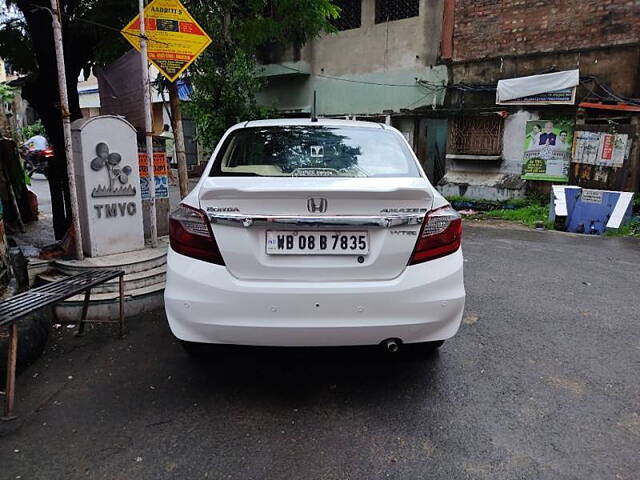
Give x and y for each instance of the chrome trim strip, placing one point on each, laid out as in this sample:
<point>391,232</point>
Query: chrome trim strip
<point>388,221</point>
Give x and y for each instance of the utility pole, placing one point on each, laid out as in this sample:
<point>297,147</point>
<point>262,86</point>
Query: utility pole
<point>178,138</point>
<point>148,127</point>
<point>66,126</point>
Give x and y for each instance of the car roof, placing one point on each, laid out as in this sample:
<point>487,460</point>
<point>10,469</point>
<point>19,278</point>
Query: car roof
<point>277,122</point>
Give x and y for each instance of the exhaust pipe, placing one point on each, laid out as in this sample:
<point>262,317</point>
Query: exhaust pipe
<point>391,345</point>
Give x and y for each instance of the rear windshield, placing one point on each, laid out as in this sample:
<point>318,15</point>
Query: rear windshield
<point>314,151</point>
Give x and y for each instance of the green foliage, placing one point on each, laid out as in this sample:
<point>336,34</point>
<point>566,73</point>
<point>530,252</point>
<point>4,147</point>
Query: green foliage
<point>529,210</point>
<point>631,229</point>
<point>90,30</point>
<point>33,129</point>
<point>224,95</point>
<point>529,215</point>
<point>460,203</point>
<point>15,43</point>
<point>294,21</point>
<point>225,77</point>
<point>6,92</point>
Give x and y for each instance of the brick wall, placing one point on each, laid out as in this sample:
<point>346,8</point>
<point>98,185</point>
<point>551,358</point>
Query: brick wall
<point>489,28</point>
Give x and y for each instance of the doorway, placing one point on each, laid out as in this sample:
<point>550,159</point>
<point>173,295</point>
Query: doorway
<point>435,134</point>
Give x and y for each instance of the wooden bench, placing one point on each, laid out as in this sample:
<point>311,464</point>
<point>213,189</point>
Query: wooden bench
<point>19,306</point>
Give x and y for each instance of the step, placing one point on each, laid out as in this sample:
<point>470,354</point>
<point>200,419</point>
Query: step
<point>106,306</point>
<point>130,262</point>
<point>132,281</point>
<point>36,267</point>
<point>113,297</point>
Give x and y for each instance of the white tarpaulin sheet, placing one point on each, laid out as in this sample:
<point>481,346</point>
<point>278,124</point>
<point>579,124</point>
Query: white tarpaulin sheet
<point>513,88</point>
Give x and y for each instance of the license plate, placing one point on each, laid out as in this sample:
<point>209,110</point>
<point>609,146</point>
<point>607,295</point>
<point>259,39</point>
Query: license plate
<point>288,242</point>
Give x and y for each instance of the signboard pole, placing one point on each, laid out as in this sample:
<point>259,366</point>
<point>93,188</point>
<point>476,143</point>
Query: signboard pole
<point>148,126</point>
<point>177,41</point>
<point>178,137</point>
<point>66,127</point>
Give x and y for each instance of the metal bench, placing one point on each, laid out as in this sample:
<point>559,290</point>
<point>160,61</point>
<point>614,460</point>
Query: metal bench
<point>19,306</point>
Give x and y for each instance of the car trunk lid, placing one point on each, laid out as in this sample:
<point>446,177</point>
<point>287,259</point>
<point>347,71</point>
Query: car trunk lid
<point>387,210</point>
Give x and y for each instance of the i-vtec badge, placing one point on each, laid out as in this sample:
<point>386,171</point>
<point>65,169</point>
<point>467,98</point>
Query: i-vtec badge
<point>403,232</point>
<point>223,209</point>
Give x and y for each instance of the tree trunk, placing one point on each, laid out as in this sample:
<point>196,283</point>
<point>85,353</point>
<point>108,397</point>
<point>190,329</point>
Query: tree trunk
<point>41,91</point>
<point>5,125</point>
<point>178,138</point>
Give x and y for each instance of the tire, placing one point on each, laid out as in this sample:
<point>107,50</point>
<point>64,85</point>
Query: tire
<point>29,168</point>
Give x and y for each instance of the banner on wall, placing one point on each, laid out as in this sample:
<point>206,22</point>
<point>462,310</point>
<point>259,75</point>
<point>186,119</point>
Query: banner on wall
<point>600,148</point>
<point>566,96</point>
<point>555,88</point>
<point>547,150</point>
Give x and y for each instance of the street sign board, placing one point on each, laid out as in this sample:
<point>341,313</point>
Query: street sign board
<point>174,38</point>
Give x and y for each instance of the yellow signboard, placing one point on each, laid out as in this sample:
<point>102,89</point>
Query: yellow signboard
<point>174,38</point>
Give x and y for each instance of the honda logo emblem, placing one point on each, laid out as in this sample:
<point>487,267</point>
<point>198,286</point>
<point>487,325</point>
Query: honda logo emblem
<point>317,205</point>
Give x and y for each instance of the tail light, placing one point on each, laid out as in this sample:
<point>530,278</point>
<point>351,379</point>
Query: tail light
<point>440,235</point>
<point>47,152</point>
<point>190,234</point>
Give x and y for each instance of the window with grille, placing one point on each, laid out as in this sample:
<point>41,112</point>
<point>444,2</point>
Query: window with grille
<point>350,13</point>
<point>476,135</point>
<point>388,10</point>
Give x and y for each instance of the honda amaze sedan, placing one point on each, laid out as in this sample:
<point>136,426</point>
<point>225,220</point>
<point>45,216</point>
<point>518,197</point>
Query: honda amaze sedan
<point>314,233</point>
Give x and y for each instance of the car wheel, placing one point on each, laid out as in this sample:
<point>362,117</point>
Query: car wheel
<point>29,167</point>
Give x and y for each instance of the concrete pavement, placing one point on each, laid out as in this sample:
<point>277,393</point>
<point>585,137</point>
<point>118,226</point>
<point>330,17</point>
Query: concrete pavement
<point>542,382</point>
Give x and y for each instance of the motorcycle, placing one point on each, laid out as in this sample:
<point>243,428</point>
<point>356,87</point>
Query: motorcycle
<point>37,161</point>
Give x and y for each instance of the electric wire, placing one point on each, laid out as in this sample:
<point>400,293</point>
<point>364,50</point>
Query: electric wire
<point>350,80</point>
<point>98,24</point>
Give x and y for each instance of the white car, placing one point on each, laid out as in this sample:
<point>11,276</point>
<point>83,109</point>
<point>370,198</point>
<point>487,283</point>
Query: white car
<point>314,233</point>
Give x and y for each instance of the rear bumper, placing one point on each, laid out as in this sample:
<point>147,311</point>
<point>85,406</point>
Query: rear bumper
<point>205,303</point>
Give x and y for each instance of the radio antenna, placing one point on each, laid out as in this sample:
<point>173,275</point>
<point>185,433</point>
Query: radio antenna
<point>314,117</point>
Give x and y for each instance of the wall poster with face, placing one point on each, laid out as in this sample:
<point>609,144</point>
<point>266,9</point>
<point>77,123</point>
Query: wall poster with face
<point>547,150</point>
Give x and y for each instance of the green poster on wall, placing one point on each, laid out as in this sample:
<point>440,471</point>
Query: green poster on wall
<point>547,150</point>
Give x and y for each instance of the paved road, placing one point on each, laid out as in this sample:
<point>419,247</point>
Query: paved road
<point>542,382</point>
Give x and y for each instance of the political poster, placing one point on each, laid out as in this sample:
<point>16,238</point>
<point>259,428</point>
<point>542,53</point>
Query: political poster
<point>160,171</point>
<point>547,150</point>
<point>601,148</point>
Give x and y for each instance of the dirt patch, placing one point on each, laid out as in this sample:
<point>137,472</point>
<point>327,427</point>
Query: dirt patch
<point>483,221</point>
<point>575,387</point>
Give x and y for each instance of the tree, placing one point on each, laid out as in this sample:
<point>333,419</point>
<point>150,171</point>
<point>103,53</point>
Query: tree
<point>224,77</point>
<point>26,41</point>
<point>7,94</point>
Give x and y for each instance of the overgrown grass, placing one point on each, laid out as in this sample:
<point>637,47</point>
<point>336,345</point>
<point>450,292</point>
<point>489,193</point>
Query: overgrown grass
<point>529,210</point>
<point>486,205</point>
<point>631,229</point>
<point>529,215</point>
<point>533,209</point>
